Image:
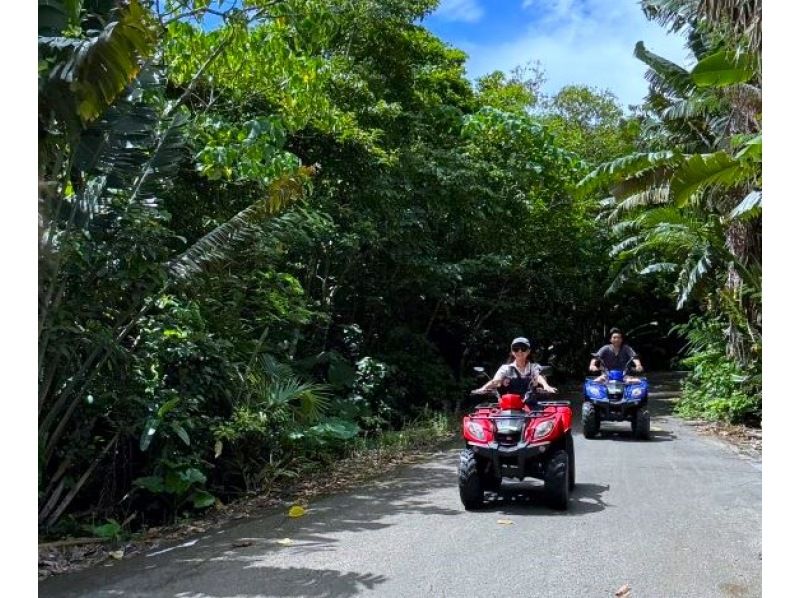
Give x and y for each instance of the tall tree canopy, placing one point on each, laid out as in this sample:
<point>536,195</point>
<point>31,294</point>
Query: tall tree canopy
<point>263,239</point>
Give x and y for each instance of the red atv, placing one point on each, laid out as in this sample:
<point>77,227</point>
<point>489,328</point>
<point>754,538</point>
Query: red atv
<point>507,439</point>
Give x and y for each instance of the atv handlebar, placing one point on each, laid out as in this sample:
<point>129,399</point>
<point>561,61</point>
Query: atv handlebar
<point>604,369</point>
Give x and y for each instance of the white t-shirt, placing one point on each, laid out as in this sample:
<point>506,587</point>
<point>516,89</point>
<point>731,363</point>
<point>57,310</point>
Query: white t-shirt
<point>507,370</point>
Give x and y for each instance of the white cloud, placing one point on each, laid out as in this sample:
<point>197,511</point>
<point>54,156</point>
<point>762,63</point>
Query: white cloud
<point>467,11</point>
<point>583,42</point>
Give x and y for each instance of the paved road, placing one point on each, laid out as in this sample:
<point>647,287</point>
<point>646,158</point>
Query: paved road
<point>679,515</point>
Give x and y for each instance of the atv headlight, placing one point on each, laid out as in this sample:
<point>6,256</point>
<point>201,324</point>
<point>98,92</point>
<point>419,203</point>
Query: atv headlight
<point>637,392</point>
<point>543,429</point>
<point>594,391</point>
<point>476,430</point>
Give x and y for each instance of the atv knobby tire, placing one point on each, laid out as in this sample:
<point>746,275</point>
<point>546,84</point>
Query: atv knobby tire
<point>640,425</point>
<point>469,481</point>
<point>590,421</point>
<point>571,455</point>
<point>556,481</point>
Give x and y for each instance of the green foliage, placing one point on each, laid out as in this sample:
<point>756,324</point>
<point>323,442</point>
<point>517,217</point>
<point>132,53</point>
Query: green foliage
<point>724,68</point>
<point>179,484</point>
<point>87,75</point>
<point>590,123</point>
<point>692,213</point>
<point>111,530</point>
<point>700,171</point>
<point>718,387</point>
<point>518,93</point>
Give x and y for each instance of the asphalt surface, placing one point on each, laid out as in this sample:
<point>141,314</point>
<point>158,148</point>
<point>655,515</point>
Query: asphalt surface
<point>678,515</point>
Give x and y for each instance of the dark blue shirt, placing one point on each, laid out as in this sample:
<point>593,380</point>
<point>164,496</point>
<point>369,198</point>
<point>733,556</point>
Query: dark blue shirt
<point>616,361</point>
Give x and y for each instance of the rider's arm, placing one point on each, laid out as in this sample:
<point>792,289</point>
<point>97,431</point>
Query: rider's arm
<point>497,380</point>
<point>543,381</point>
<point>635,358</point>
<point>594,364</point>
<point>490,384</point>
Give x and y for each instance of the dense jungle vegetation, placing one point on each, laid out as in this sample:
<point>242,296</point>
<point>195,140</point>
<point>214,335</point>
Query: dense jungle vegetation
<point>272,231</point>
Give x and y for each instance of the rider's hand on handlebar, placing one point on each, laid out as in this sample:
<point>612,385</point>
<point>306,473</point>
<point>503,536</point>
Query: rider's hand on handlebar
<point>594,368</point>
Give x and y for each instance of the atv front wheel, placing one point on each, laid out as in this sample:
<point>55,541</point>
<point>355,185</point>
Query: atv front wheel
<point>469,481</point>
<point>591,424</point>
<point>571,455</point>
<point>490,481</point>
<point>556,481</point>
<point>640,425</point>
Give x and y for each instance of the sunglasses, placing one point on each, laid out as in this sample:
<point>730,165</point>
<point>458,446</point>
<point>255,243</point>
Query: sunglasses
<point>520,348</point>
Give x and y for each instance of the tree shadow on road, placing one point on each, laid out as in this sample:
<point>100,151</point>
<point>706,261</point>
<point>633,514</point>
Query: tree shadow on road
<point>205,568</point>
<point>291,581</point>
<point>627,436</point>
<point>528,498</point>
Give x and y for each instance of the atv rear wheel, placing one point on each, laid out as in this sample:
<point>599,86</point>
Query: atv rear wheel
<point>469,481</point>
<point>571,455</point>
<point>591,424</point>
<point>640,425</point>
<point>556,480</point>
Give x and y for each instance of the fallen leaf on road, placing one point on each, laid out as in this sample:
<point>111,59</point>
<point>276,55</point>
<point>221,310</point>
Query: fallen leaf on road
<point>242,543</point>
<point>117,554</point>
<point>623,592</point>
<point>505,522</point>
<point>297,511</point>
<point>286,541</point>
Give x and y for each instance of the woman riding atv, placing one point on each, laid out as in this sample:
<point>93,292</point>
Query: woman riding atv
<point>519,375</point>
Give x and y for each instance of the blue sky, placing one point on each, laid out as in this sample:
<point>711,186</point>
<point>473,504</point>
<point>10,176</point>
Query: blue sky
<point>576,41</point>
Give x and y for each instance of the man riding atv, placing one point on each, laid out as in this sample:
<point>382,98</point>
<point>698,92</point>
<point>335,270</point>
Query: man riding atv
<point>614,356</point>
<point>614,395</point>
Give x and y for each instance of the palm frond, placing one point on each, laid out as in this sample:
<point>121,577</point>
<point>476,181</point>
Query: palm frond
<point>650,197</point>
<point>693,108</point>
<point>654,178</point>
<point>694,270</point>
<point>743,17</point>
<point>215,245</point>
<point>89,74</point>
<point>626,244</point>
<point>306,401</point>
<point>703,170</point>
<point>666,76</point>
<point>658,267</point>
<point>274,369</point>
<point>625,227</point>
<point>625,273</point>
<point>666,214</point>
<point>627,167</point>
<point>724,68</point>
<point>673,14</point>
<point>749,207</point>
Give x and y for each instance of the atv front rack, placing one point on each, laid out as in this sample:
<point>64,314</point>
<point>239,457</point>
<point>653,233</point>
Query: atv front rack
<point>533,413</point>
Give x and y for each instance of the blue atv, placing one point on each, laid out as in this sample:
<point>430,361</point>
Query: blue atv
<point>616,399</point>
